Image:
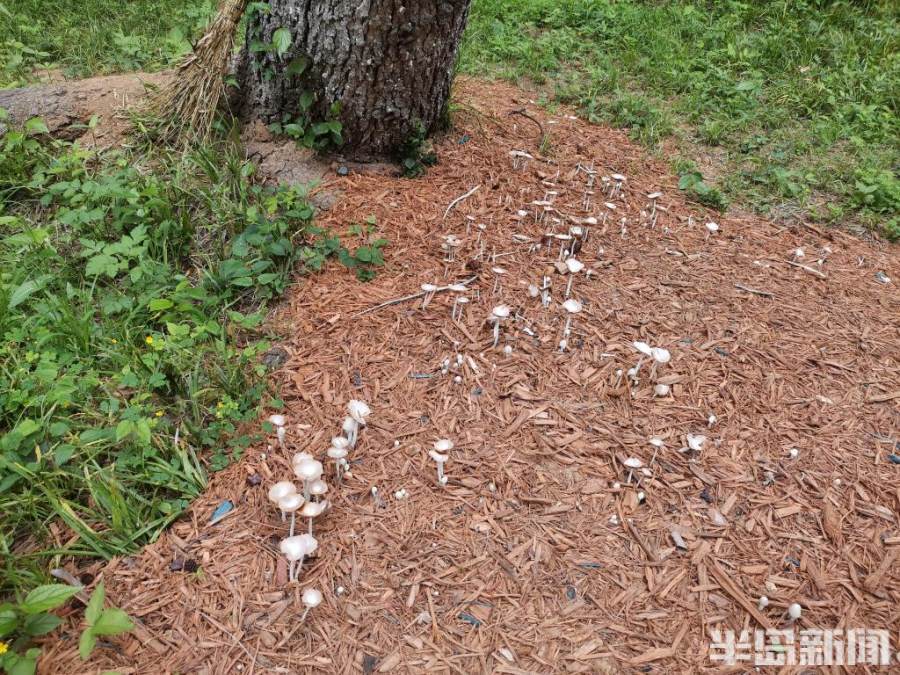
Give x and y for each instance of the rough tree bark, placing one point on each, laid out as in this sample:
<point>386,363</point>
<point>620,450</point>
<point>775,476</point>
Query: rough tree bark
<point>389,63</point>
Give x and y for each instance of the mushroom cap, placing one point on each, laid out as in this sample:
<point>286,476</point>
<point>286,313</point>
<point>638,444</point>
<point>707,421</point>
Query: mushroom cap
<point>617,177</point>
<point>712,227</point>
<point>278,420</point>
<point>654,195</point>
<point>500,311</point>
<point>359,411</point>
<point>590,220</point>
<point>318,488</point>
<point>521,213</point>
<point>290,503</point>
<point>349,425</point>
<point>795,610</point>
<point>438,457</point>
<point>443,445</point>
<point>610,206</point>
<point>498,270</point>
<point>314,509</point>
<point>643,348</point>
<point>300,456</point>
<point>563,237</point>
<point>340,442</point>
<point>458,288</point>
<point>312,597</point>
<point>662,390</point>
<point>576,230</point>
<point>308,469</point>
<point>429,288</point>
<point>462,300</point>
<point>282,489</point>
<point>574,266</point>
<point>661,355</point>
<point>695,442</point>
<point>572,306</point>
<point>520,153</point>
<point>633,463</point>
<point>657,442</point>
<point>298,546</point>
<point>337,453</point>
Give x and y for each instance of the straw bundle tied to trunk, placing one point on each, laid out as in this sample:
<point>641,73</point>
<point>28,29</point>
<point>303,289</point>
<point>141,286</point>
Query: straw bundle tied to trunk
<point>185,108</point>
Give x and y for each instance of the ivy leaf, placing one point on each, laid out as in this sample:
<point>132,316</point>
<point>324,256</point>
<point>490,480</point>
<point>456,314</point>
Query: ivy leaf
<point>281,41</point>
<point>86,644</point>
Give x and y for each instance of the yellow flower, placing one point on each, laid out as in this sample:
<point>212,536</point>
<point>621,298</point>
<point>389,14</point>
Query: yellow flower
<point>220,404</point>
<point>114,341</point>
<point>149,339</point>
<point>159,413</point>
<point>3,648</point>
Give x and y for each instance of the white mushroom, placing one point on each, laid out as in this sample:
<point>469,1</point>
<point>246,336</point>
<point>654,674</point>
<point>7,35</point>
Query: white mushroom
<point>711,228</point>
<point>296,549</point>
<point>281,490</point>
<point>795,611</point>
<point>574,266</point>
<point>278,420</point>
<point>318,488</point>
<point>359,412</point>
<point>633,463</point>
<point>338,452</point>
<point>763,603</point>
<point>312,598</point>
<point>430,290</point>
<point>662,390</point>
<point>441,447</point>
<point>308,470</point>
<point>313,510</point>
<point>695,442</point>
<point>572,307</point>
<point>290,504</point>
<point>498,314</point>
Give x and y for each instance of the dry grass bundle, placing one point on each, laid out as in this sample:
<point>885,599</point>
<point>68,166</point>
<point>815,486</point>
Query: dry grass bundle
<point>183,111</point>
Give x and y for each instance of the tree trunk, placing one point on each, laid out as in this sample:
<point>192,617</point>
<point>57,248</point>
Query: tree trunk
<point>388,63</point>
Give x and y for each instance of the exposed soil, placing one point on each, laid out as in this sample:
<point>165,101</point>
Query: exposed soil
<point>540,555</point>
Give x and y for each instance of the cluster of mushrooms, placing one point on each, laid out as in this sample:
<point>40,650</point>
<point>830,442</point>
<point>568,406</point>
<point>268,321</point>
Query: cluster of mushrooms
<point>309,502</point>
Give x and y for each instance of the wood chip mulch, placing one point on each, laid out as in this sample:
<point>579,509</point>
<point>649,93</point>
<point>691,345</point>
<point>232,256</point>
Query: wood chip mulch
<point>545,553</point>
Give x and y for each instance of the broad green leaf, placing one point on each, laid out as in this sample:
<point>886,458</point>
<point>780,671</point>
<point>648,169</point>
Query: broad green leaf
<point>8,620</point>
<point>36,125</point>
<point>160,304</point>
<point>281,41</point>
<point>112,622</point>
<point>21,665</point>
<point>41,624</point>
<point>86,644</point>
<point>47,597</point>
<point>26,428</point>
<point>95,605</point>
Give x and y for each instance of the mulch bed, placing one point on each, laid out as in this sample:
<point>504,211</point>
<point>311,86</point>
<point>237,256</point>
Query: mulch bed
<point>540,555</point>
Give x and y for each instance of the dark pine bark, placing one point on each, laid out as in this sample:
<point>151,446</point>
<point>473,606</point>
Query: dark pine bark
<point>389,63</point>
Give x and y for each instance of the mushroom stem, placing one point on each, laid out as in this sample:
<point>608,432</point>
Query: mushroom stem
<point>291,572</point>
<point>310,527</point>
<point>293,519</point>
<point>303,618</point>
<point>305,491</point>
<point>569,286</point>
<point>496,332</point>
<point>440,473</point>
<point>568,326</point>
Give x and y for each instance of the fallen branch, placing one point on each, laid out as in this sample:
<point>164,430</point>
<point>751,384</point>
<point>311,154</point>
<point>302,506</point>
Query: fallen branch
<point>414,296</point>
<point>754,291</point>
<point>459,199</point>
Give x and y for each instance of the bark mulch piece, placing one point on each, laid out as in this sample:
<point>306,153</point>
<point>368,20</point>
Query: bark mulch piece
<point>544,553</point>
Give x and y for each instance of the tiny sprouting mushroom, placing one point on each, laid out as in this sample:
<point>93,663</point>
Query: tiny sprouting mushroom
<point>695,442</point>
<point>533,291</point>
<point>662,389</point>
<point>619,180</point>
<point>498,314</point>
<point>278,420</point>
<point>308,470</point>
<point>296,549</point>
<point>633,463</point>
<point>338,452</point>
<point>711,228</point>
<point>574,266</point>
<point>280,490</point>
<point>763,603</point>
<point>564,239</point>
<point>573,307</point>
<point>794,453</point>
<point>401,494</point>
<point>795,611</point>
<point>313,510</point>
<point>711,420</point>
<point>312,598</point>
<point>358,411</point>
<point>519,158</point>
<point>660,358</point>
<point>508,350</point>
<point>438,454</point>
<point>348,427</point>
<point>281,435</point>
<point>563,345</point>
<point>657,442</point>
<point>462,301</point>
<point>451,243</point>
<point>499,272</point>
<point>290,504</point>
<point>429,290</point>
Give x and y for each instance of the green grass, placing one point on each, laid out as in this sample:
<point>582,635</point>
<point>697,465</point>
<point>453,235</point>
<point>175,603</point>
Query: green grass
<point>132,298</point>
<point>799,99</point>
